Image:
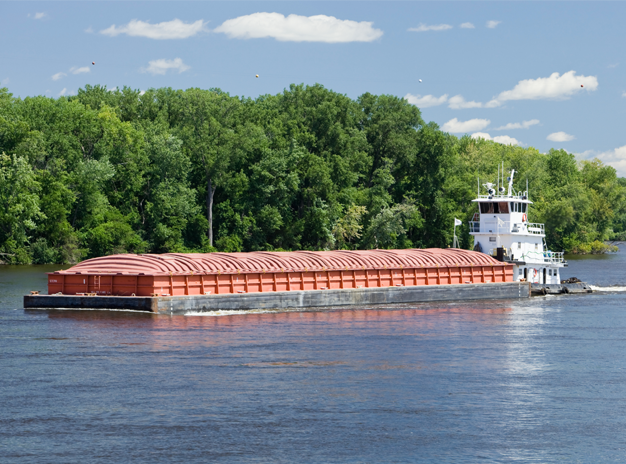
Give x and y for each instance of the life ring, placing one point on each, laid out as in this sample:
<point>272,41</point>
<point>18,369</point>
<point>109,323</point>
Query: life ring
<point>524,219</point>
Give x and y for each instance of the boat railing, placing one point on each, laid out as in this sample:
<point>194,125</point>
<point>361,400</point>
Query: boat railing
<point>506,227</point>
<point>533,257</point>
<point>545,257</point>
<point>501,197</point>
<point>554,257</point>
<point>535,228</point>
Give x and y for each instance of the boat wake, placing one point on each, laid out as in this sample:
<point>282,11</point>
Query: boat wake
<point>615,288</point>
<point>227,312</point>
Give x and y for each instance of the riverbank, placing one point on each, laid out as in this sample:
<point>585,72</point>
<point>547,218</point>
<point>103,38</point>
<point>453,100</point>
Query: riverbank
<point>595,248</point>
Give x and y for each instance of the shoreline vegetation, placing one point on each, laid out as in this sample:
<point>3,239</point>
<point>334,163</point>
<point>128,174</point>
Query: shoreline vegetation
<point>594,248</point>
<point>124,171</point>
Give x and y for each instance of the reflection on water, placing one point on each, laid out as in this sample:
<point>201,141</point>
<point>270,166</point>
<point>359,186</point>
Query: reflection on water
<point>540,380</point>
<point>248,327</point>
<point>525,358</point>
<point>17,281</point>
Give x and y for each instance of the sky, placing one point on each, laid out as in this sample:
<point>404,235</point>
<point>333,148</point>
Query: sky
<point>536,74</point>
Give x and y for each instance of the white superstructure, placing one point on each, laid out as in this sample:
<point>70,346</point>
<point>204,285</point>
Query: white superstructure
<point>501,229</point>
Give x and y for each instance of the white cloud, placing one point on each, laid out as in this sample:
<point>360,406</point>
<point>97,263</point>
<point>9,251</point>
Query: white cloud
<point>89,30</point>
<point>503,139</point>
<point>519,125</point>
<point>84,69</point>
<point>560,137</point>
<point>467,26</point>
<point>162,66</point>
<point>556,87</point>
<point>553,87</point>
<point>458,102</point>
<point>295,28</point>
<point>63,92</point>
<point>425,101</point>
<point>58,76</point>
<point>615,158</point>
<point>434,27</point>
<point>5,81</point>
<point>38,15</point>
<point>613,65</point>
<point>492,24</point>
<point>506,140</point>
<point>175,29</point>
<point>142,92</point>
<point>624,94</point>
<point>456,126</point>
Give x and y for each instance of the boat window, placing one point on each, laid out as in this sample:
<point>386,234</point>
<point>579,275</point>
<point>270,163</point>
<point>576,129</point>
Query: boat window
<point>490,208</point>
<point>523,205</point>
<point>519,245</point>
<point>504,207</point>
<point>513,207</point>
<point>487,208</point>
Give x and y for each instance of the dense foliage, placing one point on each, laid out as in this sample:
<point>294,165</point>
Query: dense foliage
<point>199,170</point>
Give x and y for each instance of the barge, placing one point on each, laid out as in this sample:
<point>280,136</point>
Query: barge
<point>177,283</point>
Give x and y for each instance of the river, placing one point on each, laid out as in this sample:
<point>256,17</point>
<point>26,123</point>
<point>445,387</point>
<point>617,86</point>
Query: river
<point>538,380</point>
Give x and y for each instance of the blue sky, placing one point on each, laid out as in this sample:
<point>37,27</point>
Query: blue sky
<point>510,71</point>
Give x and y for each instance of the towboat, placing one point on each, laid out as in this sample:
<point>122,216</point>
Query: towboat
<point>501,229</point>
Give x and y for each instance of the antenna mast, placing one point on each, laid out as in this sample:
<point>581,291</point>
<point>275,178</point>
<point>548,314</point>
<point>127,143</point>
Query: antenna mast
<point>511,182</point>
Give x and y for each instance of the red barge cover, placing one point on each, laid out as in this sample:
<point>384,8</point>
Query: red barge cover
<point>174,274</point>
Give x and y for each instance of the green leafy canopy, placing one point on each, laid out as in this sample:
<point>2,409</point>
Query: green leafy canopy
<point>200,170</point>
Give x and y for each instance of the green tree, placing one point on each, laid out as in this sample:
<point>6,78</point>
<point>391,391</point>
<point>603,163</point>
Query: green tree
<point>348,228</point>
<point>20,208</point>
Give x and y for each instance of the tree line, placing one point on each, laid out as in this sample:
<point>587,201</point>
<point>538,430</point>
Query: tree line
<point>167,170</point>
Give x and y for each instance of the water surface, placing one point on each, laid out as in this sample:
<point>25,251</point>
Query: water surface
<point>539,380</point>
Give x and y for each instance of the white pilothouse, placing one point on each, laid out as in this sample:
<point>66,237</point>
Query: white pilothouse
<point>501,229</point>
